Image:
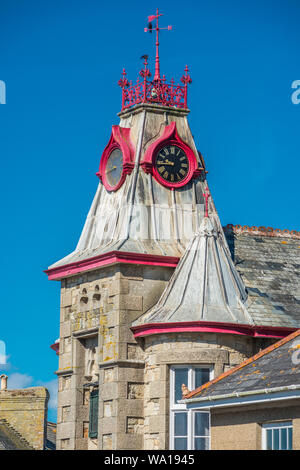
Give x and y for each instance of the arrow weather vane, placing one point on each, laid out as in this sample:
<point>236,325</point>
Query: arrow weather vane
<point>149,29</point>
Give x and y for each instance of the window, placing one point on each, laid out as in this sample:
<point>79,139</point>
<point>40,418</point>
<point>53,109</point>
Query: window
<point>189,429</point>
<point>277,436</point>
<point>93,422</point>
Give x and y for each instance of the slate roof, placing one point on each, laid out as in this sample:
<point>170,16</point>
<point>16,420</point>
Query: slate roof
<point>10,439</point>
<point>269,265</point>
<point>275,366</point>
<point>51,436</point>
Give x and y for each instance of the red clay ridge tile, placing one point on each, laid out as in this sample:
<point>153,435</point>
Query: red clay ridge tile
<point>265,231</point>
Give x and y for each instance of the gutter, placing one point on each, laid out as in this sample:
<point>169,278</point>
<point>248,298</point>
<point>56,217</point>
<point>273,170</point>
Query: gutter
<point>244,398</point>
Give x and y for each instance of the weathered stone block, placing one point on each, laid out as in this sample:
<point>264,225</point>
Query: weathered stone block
<point>109,391</point>
<point>134,351</point>
<point>135,390</point>
<point>65,329</point>
<point>66,413</point>
<point>157,424</point>
<point>157,389</point>
<point>66,298</point>
<point>135,425</point>
<point>65,444</point>
<point>130,374</point>
<point>108,375</point>
<point>65,361</point>
<point>108,409</point>
<point>130,302</point>
<point>107,442</point>
<point>65,431</point>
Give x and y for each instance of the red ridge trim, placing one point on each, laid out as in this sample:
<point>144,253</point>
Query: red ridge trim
<point>211,327</point>
<point>108,259</point>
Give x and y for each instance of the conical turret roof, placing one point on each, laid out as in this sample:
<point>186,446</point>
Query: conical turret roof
<point>205,286</point>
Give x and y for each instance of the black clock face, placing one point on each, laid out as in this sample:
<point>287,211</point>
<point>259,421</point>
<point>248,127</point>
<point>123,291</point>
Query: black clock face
<point>172,164</point>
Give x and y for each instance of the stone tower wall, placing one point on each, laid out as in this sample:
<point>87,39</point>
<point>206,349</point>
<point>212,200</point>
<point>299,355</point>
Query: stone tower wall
<point>103,303</point>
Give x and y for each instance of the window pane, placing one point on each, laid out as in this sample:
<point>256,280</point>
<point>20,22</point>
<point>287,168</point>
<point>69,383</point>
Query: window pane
<point>181,377</point>
<point>269,439</point>
<point>180,443</point>
<point>283,439</point>
<point>201,377</point>
<point>290,439</point>
<point>93,418</point>
<point>275,439</point>
<point>180,424</point>
<point>201,443</point>
<point>201,424</point>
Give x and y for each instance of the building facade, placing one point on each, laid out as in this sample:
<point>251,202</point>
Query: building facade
<point>23,417</point>
<point>156,293</point>
<point>254,406</point>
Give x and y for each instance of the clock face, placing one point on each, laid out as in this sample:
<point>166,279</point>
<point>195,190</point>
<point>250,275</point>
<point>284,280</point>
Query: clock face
<point>114,167</point>
<point>172,164</point>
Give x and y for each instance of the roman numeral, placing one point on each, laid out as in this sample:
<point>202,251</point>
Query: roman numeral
<point>161,169</point>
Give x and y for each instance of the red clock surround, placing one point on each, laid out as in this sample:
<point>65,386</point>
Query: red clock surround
<point>119,139</point>
<point>170,137</point>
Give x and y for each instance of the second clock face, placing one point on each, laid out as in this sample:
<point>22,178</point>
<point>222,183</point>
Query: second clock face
<point>172,164</point>
<point>114,167</point>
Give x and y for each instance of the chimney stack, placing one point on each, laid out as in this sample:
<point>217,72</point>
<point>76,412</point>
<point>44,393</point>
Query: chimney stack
<point>3,385</point>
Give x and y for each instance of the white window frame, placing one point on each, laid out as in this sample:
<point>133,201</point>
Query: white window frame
<point>276,425</point>
<point>177,407</point>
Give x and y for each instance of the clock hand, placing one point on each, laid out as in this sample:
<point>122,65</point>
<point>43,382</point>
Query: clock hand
<point>112,169</point>
<point>166,163</point>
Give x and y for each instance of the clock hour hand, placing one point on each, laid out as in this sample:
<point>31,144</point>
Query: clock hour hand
<point>112,169</point>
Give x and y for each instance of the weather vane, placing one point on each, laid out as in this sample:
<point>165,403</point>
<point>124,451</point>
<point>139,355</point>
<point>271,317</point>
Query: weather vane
<point>158,29</point>
<point>156,91</point>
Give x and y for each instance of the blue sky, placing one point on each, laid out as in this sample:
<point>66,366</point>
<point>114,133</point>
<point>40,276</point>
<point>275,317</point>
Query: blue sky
<point>61,61</point>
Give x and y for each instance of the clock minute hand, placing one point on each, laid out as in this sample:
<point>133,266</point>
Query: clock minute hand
<point>166,163</point>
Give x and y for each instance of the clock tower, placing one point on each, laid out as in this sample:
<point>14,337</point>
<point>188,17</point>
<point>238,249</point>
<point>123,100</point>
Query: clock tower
<point>150,297</point>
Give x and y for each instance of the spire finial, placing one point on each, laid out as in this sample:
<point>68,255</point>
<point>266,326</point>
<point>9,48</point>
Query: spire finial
<point>157,29</point>
<point>206,195</point>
